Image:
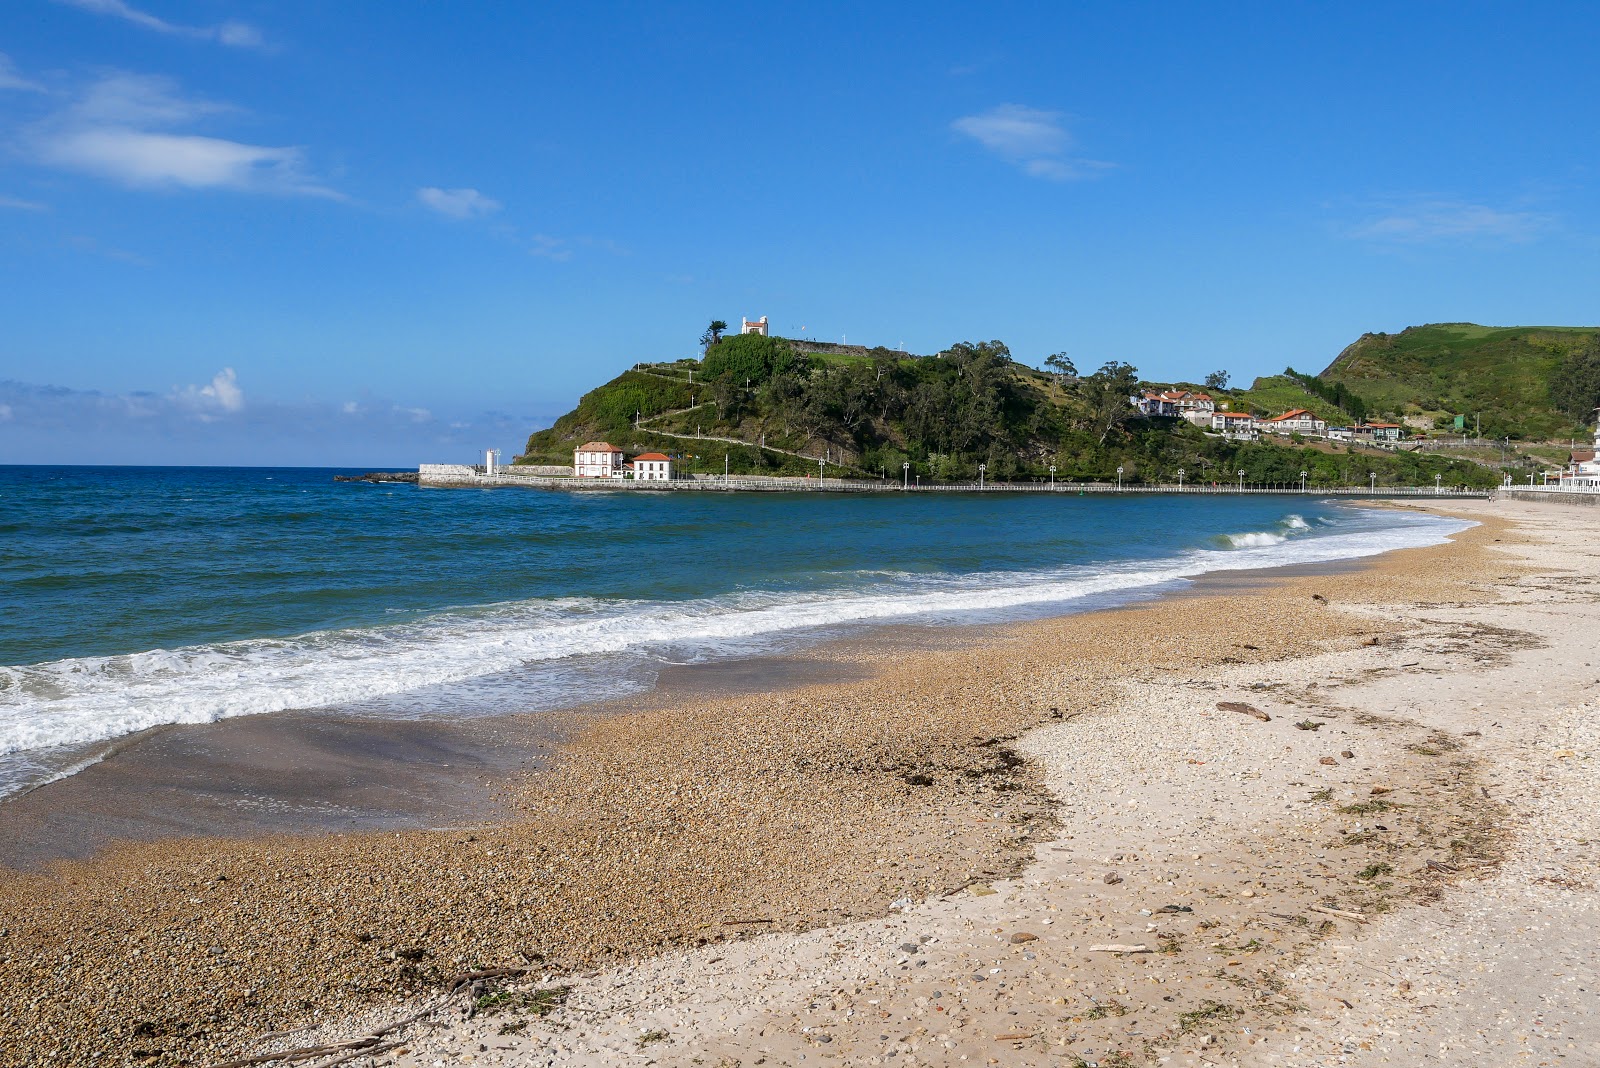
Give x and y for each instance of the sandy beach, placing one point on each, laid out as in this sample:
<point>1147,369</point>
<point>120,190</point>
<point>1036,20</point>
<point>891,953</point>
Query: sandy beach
<point>1333,819</point>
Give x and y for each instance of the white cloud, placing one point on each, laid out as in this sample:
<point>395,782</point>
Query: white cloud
<point>1029,138</point>
<point>116,129</point>
<point>458,203</point>
<point>5,413</point>
<point>416,415</point>
<point>10,79</point>
<point>235,34</point>
<point>350,408</point>
<point>1424,220</point>
<point>1015,131</point>
<point>222,395</point>
<point>18,204</point>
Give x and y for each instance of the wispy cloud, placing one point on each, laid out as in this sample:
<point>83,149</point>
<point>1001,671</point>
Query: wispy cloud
<point>121,128</point>
<point>233,34</point>
<point>1031,139</point>
<point>551,248</point>
<point>562,249</point>
<point>11,79</point>
<point>85,243</point>
<point>1427,220</point>
<point>18,204</point>
<point>458,203</point>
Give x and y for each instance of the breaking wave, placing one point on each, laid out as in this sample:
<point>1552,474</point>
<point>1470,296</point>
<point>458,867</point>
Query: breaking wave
<point>84,700</point>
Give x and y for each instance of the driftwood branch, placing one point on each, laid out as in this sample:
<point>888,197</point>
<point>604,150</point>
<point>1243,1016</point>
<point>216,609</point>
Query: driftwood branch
<point>1343,914</point>
<point>355,1047</point>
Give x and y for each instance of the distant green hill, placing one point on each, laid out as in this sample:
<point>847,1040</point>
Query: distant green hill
<point>771,406</point>
<point>1523,381</point>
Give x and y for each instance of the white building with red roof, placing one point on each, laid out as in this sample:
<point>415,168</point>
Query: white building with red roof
<point>652,467</point>
<point>1175,402</point>
<point>1233,422</point>
<point>1293,421</point>
<point>597,459</point>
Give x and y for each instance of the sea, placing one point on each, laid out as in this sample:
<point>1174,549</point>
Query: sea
<point>132,598</point>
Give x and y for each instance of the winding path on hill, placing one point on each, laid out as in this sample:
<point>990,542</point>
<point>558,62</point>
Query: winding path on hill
<point>643,425</point>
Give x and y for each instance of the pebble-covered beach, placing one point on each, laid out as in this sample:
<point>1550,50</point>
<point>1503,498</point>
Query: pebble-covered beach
<point>1243,786</point>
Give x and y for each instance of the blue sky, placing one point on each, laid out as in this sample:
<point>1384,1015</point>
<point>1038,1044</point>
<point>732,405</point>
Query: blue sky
<point>269,231</point>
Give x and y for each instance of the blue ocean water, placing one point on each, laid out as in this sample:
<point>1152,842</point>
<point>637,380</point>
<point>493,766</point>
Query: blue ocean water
<point>134,597</point>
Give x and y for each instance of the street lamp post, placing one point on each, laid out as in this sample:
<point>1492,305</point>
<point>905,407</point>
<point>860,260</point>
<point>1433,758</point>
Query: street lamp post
<point>1119,478</point>
<point>1436,487</point>
<point>984,467</point>
<point>1052,476</point>
<point>905,470</point>
<point>1372,481</point>
<point>819,473</point>
<point>1180,480</point>
<point>1302,482</point>
<point>1241,480</point>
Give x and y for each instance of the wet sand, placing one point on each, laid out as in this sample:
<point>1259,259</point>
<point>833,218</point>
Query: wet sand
<point>321,772</point>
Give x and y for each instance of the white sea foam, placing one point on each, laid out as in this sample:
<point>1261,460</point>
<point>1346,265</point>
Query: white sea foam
<point>1289,526</point>
<point>78,701</point>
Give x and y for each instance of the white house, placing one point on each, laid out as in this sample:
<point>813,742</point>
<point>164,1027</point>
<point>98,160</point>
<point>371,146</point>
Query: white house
<point>1233,422</point>
<point>1175,402</point>
<point>597,459</point>
<point>1339,433</point>
<point>1295,420</point>
<point>753,326</point>
<point>652,467</point>
<point>1381,431</point>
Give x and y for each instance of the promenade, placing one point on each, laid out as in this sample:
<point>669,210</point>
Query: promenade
<point>462,476</point>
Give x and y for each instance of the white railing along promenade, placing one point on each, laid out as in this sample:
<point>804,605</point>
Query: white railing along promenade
<point>811,484</point>
<point>1554,487</point>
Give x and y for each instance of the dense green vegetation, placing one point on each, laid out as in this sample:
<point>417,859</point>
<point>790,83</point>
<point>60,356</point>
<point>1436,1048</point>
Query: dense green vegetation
<point>869,414</point>
<point>1524,382</point>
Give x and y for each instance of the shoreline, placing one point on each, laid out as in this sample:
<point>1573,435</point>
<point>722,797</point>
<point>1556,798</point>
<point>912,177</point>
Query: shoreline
<point>861,800</point>
<point>307,772</point>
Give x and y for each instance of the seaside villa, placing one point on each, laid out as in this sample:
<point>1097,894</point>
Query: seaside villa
<point>597,459</point>
<point>652,467</point>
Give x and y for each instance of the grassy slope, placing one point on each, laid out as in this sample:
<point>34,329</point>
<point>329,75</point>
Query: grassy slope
<point>1504,373</point>
<point>1151,450</point>
<point>1276,394</point>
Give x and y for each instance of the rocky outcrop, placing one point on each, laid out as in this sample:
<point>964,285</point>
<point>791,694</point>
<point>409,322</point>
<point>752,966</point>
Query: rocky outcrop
<point>379,476</point>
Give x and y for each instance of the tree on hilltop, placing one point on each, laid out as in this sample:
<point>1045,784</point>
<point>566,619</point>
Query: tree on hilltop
<point>713,334</point>
<point>1062,364</point>
<point>1217,380</point>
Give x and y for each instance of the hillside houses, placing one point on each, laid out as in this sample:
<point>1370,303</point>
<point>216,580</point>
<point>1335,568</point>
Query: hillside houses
<point>1180,402</point>
<point>1294,421</point>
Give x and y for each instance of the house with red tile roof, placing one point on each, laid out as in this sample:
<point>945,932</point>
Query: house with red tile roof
<point>1293,421</point>
<point>597,459</point>
<point>652,467</point>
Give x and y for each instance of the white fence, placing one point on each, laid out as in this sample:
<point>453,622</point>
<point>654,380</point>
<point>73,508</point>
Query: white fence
<point>453,475</point>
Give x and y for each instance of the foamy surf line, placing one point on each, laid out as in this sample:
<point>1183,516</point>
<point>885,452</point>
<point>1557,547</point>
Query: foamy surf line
<point>86,700</point>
